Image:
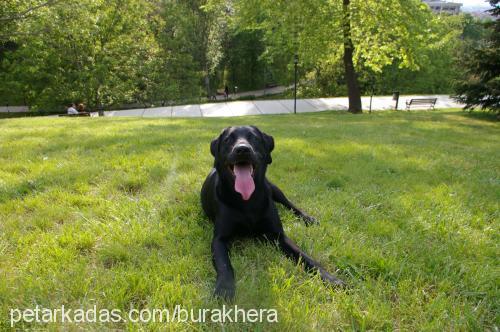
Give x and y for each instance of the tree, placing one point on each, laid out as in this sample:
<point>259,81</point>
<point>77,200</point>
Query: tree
<point>480,86</point>
<point>241,65</point>
<point>109,53</point>
<point>363,34</point>
<point>12,12</point>
<point>174,72</point>
<point>91,51</point>
<point>437,65</point>
<point>214,35</point>
<point>350,72</point>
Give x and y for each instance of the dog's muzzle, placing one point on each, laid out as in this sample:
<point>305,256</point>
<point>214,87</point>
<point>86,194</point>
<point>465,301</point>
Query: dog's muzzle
<point>242,169</point>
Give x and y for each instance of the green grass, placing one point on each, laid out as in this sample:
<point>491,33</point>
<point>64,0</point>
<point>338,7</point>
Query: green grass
<point>106,211</point>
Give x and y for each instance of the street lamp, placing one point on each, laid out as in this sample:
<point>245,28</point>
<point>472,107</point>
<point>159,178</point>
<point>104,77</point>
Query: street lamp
<point>372,88</point>
<point>295,62</point>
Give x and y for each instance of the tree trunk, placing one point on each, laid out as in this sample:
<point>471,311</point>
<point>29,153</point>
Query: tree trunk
<point>207,82</point>
<point>97,101</point>
<point>350,72</point>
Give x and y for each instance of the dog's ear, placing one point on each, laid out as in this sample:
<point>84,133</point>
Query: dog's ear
<point>269,142</point>
<point>214,146</point>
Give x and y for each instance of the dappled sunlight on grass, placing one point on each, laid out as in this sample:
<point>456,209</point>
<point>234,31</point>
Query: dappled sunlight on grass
<point>107,211</point>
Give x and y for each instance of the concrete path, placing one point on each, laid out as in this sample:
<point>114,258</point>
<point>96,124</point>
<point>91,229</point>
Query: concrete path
<point>282,106</point>
<point>258,93</point>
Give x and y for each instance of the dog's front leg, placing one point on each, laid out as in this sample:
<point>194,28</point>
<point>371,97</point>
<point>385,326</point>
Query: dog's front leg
<point>224,285</point>
<point>291,250</point>
<point>279,196</point>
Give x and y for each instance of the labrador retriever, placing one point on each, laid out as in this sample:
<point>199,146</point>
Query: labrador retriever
<point>239,199</point>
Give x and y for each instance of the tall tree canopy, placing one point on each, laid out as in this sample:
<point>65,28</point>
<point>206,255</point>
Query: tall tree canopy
<point>153,52</point>
<point>81,50</point>
<point>480,86</point>
<point>366,34</point>
<point>107,52</point>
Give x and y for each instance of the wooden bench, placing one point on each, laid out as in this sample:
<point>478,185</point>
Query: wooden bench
<point>77,115</point>
<point>421,101</point>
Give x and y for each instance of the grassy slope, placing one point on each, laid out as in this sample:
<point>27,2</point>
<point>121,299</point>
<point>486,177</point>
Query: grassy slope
<point>106,211</point>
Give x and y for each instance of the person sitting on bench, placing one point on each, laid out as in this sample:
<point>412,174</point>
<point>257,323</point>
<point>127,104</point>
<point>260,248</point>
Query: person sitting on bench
<point>72,109</point>
<point>81,109</point>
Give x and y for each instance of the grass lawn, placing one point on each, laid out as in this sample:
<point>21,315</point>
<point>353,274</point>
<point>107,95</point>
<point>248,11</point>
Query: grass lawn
<point>106,212</point>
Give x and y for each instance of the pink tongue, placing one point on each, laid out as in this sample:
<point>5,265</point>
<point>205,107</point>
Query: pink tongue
<point>244,181</point>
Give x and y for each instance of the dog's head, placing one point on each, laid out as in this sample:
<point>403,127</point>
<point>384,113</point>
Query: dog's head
<point>241,157</point>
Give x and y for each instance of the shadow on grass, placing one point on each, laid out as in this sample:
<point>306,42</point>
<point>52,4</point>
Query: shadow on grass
<point>389,184</point>
<point>482,115</point>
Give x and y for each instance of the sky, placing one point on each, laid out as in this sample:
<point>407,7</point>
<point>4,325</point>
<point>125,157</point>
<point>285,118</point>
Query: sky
<point>474,3</point>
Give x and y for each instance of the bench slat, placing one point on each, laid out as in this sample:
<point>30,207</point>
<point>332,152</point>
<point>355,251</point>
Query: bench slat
<point>421,101</point>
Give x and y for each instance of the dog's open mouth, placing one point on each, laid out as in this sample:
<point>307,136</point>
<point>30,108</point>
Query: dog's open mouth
<point>243,173</point>
<point>242,166</point>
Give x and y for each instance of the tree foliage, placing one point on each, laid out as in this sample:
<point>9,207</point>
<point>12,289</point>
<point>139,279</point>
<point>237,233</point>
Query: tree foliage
<point>155,52</point>
<point>81,50</point>
<point>376,34</point>
<point>106,53</point>
<point>480,86</point>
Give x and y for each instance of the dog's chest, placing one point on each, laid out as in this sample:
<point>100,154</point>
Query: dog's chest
<point>249,223</point>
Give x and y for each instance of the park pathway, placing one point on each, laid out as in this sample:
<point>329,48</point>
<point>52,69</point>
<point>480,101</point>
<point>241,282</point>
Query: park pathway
<point>281,106</point>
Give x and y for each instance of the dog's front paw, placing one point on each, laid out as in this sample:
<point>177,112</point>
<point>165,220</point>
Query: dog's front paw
<point>225,290</point>
<point>332,280</point>
<point>308,220</point>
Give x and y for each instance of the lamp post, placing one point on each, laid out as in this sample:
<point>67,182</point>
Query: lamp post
<point>372,88</point>
<point>295,62</point>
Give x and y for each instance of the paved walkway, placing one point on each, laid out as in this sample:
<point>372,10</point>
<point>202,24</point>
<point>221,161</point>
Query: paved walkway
<point>257,93</point>
<point>282,106</point>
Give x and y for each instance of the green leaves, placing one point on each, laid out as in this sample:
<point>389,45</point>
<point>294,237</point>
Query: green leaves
<point>382,31</point>
<point>153,52</point>
<point>106,53</point>
<point>479,85</point>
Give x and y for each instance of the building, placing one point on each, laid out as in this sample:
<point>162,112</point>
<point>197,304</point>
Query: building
<point>444,7</point>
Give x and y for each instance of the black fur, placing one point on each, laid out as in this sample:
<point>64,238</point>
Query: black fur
<point>257,216</point>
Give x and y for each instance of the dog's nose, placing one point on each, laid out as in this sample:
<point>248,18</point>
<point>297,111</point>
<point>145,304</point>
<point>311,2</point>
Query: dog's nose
<point>242,149</point>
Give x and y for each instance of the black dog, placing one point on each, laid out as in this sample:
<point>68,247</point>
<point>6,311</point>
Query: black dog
<point>239,199</point>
